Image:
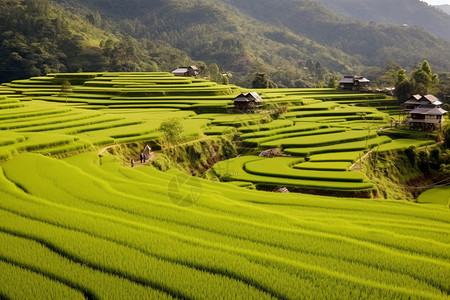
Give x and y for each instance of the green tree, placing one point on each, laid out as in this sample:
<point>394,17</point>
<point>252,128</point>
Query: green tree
<point>401,76</point>
<point>391,75</point>
<point>424,80</point>
<point>262,81</point>
<point>403,90</point>
<point>214,73</point>
<point>332,82</point>
<point>66,89</point>
<point>421,77</point>
<point>426,67</point>
<point>225,80</point>
<point>172,130</point>
<point>444,86</point>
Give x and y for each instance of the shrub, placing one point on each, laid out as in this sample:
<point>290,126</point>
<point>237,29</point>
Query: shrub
<point>423,161</point>
<point>172,130</point>
<point>435,157</point>
<point>161,162</point>
<point>447,137</point>
<point>411,153</point>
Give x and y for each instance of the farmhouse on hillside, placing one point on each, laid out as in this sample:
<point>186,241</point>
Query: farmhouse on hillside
<point>354,83</point>
<point>248,101</point>
<point>411,103</point>
<point>425,112</point>
<point>190,71</point>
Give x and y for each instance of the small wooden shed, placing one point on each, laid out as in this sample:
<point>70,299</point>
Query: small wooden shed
<point>190,71</point>
<point>250,100</point>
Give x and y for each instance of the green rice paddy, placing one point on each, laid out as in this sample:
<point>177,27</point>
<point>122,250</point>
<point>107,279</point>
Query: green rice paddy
<point>87,227</point>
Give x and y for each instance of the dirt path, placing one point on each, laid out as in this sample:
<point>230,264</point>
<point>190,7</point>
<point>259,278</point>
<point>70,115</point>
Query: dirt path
<point>106,148</point>
<point>355,165</point>
<point>137,163</point>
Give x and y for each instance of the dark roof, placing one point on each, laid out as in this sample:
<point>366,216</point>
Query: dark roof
<point>431,99</point>
<point>348,80</point>
<point>413,99</point>
<point>437,112</point>
<point>353,79</point>
<point>433,111</point>
<point>420,110</point>
<point>249,97</point>
<point>182,70</point>
<point>423,100</point>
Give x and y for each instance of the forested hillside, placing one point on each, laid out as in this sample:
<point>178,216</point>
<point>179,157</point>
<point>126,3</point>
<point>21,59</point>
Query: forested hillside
<point>370,43</point>
<point>398,12</point>
<point>298,43</point>
<point>38,37</point>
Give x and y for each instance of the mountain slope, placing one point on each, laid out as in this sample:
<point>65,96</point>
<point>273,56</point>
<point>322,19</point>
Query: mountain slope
<point>395,12</point>
<point>372,44</point>
<point>38,37</point>
<point>444,7</point>
<point>202,23</point>
<point>297,42</point>
<point>215,32</point>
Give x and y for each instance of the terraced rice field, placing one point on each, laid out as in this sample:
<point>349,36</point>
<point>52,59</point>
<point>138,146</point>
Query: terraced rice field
<point>286,171</point>
<point>438,195</point>
<point>120,236</point>
<point>87,227</point>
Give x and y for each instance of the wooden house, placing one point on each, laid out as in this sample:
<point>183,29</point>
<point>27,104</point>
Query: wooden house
<point>425,112</point>
<point>354,83</point>
<point>250,100</point>
<point>411,103</point>
<point>190,71</point>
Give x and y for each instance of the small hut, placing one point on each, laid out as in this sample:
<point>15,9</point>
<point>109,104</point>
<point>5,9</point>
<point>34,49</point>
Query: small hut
<point>354,83</point>
<point>250,100</point>
<point>190,71</point>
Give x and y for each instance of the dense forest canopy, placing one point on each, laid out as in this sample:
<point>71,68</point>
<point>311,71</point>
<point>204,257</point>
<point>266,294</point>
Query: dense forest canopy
<point>39,37</point>
<point>298,43</point>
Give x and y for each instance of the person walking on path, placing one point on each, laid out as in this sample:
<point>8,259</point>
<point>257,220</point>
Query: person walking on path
<point>141,156</point>
<point>132,163</point>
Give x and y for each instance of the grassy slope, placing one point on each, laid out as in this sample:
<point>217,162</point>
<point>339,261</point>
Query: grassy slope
<point>231,242</point>
<point>438,195</point>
